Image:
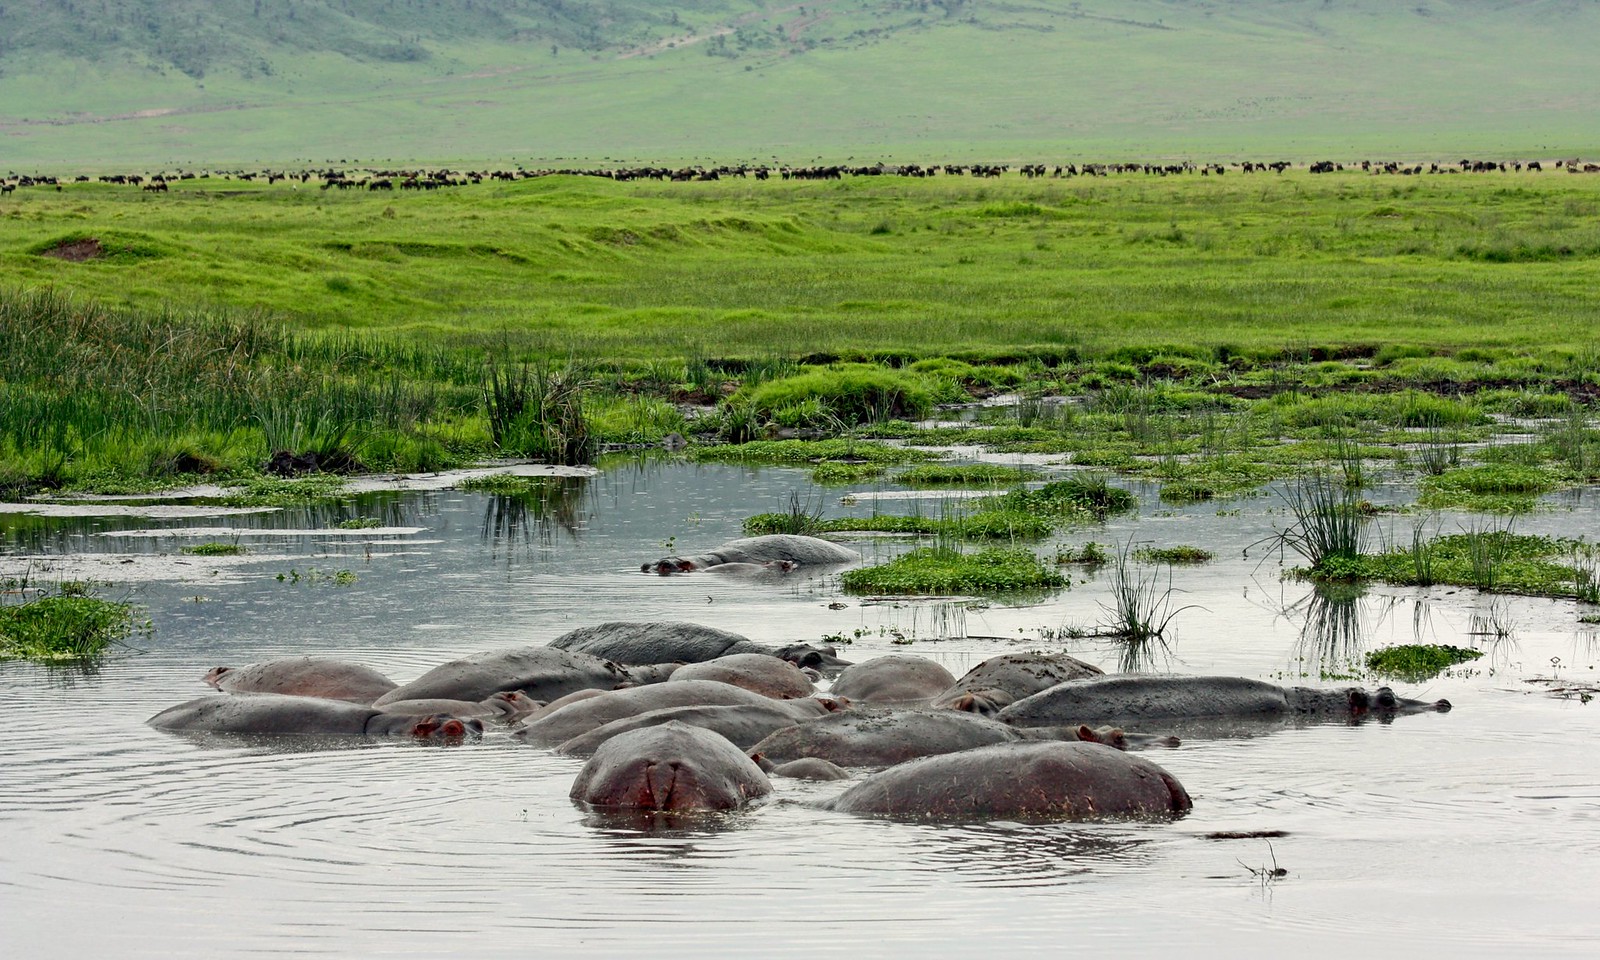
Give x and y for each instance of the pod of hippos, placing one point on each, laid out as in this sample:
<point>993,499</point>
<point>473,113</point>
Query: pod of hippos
<point>679,719</point>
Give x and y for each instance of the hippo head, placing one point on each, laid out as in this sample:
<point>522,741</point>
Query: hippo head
<point>445,729</point>
<point>1384,703</point>
<point>667,566</point>
<point>1110,736</point>
<point>986,702</point>
<point>214,676</point>
<point>824,659</point>
<point>513,705</point>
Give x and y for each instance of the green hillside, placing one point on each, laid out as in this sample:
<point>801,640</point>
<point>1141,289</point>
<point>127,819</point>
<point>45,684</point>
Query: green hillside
<point>99,83</point>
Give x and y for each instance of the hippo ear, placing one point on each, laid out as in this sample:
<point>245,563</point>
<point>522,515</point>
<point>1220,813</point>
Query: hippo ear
<point>1359,701</point>
<point>1087,735</point>
<point>425,727</point>
<point>966,702</point>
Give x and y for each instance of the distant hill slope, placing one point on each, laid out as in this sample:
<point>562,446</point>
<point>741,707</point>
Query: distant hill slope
<point>109,82</point>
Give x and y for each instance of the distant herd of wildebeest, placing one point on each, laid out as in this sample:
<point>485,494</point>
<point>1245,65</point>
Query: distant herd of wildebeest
<point>378,178</point>
<point>680,719</point>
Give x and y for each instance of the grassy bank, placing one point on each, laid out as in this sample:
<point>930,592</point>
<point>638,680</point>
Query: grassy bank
<point>1214,334</point>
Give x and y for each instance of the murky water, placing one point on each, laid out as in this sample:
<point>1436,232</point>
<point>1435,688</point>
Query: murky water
<point>1473,833</point>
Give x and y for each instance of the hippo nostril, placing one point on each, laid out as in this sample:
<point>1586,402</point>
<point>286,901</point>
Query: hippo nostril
<point>1443,706</point>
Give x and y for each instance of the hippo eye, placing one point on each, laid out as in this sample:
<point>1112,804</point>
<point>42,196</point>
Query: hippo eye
<point>1386,697</point>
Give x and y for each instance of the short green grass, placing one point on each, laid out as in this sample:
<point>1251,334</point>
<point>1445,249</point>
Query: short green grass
<point>944,571</point>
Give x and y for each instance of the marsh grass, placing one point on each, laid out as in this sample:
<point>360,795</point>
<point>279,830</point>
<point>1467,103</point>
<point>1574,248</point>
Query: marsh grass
<point>966,474</point>
<point>1497,487</point>
<point>216,550</point>
<point>1330,527</point>
<point>1172,556</point>
<point>945,570</point>
<point>536,410</point>
<point>68,625</point>
<point>1416,662</point>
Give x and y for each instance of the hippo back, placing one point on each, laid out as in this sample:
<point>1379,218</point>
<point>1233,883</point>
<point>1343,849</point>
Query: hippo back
<point>1134,700</point>
<point>806,551</point>
<point>305,677</point>
<point>878,738</point>
<point>631,642</point>
<point>539,672</point>
<point>1020,781</point>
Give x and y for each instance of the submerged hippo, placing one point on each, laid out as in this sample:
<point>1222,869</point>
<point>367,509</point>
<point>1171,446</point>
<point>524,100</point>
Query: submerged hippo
<point>509,706</point>
<point>811,768</point>
<point>538,672</point>
<point>280,715</point>
<point>1020,781</point>
<point>304,677</point>
<point>778,548</point>
<point>896,678</point>
<point>671,768</point>
<point>878,738</point>
<point>575,719</point>
<point>1135,699</point>
<point>635,643</point>
<point>758,672</point>
<point>744,724</point>
<point>630,642</point>
<point>1018,675</point>
<point>865,737</point>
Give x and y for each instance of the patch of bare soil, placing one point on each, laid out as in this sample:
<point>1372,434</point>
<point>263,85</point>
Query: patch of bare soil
<point>76,251</point>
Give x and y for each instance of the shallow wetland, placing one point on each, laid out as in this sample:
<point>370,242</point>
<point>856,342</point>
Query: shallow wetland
<point>1474,832</point>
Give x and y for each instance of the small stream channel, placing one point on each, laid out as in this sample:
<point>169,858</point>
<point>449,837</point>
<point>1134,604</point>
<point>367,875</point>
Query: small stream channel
<point>1472,833</point>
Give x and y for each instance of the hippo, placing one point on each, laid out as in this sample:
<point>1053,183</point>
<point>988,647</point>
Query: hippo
<point>509,706</point>
<point>744,724</point>
<point>866,737</point>
<point>759,672</point>
<point>800,551</point>
<point>1028,780</point>
<point>575,719</point>
<point>809,768</point>
<point>896,678</point>
<point>671,768</point>
<point>639,644</point>
<point>633,643</point>
<point>753,571</point>
<point>987,702</point>
<point>538,672</point>
<point>1134,699</point>
<point>1012,676</point>
<point>283,715</point>
<point>824,659</point>
<point>304,677</point>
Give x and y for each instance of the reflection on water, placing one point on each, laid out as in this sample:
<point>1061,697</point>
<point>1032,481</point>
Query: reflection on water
<point>547,504</point>
<point>1022,855</point>
<point>1332,637</point>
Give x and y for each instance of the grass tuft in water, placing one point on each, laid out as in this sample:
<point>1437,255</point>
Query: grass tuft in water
<point>216,550</point>
<point>936,570</point>
<point>1183,553</point>
<point>70,625</point>
<point>1415,662</point>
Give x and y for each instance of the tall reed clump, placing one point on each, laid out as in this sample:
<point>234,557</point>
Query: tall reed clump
<point>1329,529</point>
<point>1487,550</point>
<point>536,410</point>
<point>1141,607</point>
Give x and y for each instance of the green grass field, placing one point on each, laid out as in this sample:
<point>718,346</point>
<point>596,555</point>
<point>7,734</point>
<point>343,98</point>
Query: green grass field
<point>740,268</point>
<point>226,323</point>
